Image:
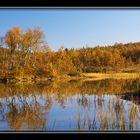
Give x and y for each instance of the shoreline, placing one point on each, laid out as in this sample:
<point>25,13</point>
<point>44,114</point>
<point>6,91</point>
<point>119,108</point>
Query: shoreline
<point>84,77</point>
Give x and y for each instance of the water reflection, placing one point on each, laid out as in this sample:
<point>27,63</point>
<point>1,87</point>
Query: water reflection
<point>71,105</point>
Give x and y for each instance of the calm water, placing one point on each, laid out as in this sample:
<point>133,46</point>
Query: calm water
<point>70,106</point>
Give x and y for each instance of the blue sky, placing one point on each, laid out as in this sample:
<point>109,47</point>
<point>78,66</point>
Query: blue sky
<point>75,28</point>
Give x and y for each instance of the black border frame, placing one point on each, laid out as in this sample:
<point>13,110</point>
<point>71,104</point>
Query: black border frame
<point>50,134</point>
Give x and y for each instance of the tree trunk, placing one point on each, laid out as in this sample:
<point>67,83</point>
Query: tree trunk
<point>11,65</point>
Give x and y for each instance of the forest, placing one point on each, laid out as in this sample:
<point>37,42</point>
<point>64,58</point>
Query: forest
<point>26,54</point>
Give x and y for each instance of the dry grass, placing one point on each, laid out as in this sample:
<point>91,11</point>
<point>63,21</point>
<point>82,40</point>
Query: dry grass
<point>99,76</point>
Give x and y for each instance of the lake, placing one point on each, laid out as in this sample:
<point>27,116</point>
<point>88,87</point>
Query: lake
<point>102,105</point>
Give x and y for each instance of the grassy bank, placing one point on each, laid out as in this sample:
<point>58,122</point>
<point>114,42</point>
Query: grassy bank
<point>99,76</point>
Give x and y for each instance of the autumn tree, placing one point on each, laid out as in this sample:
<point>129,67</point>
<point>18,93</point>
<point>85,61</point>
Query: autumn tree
<point>13,40</point>
<point>32,42</point>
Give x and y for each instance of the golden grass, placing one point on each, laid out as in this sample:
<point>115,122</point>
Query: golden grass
<point>99,76</point>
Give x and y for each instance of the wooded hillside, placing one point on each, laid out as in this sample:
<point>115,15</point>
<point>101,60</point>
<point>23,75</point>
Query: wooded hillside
<point>28,55</point>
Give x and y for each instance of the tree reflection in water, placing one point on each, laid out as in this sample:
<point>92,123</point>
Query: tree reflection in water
<point>92,105</point>
<point>26,113</point>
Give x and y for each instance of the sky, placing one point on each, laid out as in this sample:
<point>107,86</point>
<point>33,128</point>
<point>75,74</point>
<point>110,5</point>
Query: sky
<point>75,28</point>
